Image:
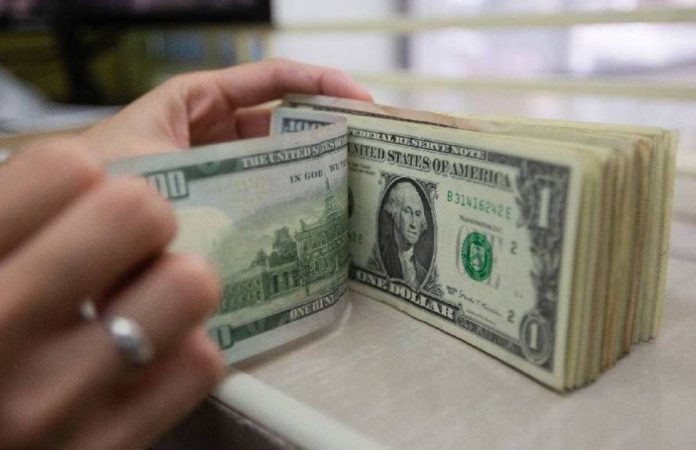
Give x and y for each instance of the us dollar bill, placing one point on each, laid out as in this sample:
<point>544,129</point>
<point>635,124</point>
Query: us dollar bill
<point>622,227</point>
<point>271,214</point>
<point>472,233</point>
<point>514,236</point>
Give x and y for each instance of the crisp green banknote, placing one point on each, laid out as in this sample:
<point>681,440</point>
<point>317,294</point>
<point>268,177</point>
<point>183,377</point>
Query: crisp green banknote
<point>472,233</point>
<point>271,214</point>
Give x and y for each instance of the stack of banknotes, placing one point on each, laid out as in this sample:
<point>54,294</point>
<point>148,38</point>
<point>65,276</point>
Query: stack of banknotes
<point>543,243</point>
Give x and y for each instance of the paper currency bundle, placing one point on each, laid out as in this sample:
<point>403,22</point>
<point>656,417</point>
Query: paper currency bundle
<point>542,243</point>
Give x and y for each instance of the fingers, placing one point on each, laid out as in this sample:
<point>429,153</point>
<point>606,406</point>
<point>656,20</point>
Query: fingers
<point>200,108</point>
<point>212,97</point>
<point>69,368</point>
<point>116,226</point>
<point>177,293</point>
<point>162,395</point>
<point>252,84</point>
<point>46,406</point>
<point>55,378</point>
<point>252,123</point>
<point>38,183</point>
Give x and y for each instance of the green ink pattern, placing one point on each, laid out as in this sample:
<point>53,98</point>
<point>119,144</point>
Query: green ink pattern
<point>477,256</point>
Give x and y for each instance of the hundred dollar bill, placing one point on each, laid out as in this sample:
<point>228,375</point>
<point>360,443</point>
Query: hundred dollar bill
<point>271,214</point>
<point>473,233</point>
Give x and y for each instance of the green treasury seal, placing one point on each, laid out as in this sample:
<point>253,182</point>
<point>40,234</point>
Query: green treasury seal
<point>477,256</point>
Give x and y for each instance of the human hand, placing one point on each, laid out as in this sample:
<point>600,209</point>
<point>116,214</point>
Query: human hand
<point>70,233</point>
<point>213,106</point>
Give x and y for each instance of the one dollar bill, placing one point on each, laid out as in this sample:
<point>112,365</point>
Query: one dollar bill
<point>515,236</point>
<point>474,234</point>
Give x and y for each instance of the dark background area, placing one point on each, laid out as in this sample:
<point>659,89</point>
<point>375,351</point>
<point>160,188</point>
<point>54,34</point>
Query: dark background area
<point>88,52</point>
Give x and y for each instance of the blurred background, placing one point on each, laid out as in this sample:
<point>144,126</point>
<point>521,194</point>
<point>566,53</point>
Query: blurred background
<point>65,63</point>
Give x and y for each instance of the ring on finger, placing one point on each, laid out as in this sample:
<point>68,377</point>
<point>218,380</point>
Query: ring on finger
<point>130,340</point>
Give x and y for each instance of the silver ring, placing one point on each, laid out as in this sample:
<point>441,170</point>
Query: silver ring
<point>130,340</point>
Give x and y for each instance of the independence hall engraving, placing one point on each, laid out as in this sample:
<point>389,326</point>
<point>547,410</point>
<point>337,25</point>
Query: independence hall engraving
<point>317,251</point>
